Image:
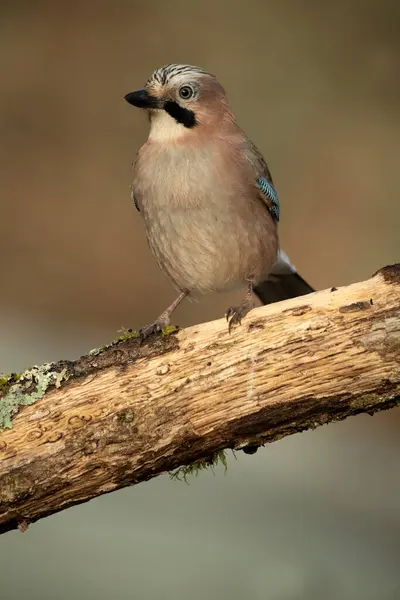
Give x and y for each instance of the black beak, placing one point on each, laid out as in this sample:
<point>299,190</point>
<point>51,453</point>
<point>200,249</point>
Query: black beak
<point>142,99</point>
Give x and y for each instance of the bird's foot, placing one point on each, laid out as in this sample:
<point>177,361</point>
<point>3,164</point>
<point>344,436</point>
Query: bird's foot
<point>163,320</point>
<point>235,314</point>
<point>156,327</point>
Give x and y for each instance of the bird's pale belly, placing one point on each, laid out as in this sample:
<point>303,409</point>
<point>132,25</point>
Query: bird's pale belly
<point>212,249</point>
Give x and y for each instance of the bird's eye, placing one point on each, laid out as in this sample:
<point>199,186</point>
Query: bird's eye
<point>186,92</point>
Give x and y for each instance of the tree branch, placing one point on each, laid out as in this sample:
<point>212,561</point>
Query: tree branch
<point>125,413</point>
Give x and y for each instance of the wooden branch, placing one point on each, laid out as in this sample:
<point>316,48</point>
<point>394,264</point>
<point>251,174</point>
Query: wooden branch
<point>127,413</point>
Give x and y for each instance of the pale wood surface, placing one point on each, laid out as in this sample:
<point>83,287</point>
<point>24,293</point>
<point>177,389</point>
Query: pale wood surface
<point>134,412</point>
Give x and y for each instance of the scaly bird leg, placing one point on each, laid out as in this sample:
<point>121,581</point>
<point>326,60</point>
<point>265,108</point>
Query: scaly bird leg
<point>235,314</point>
<point>163,320</point>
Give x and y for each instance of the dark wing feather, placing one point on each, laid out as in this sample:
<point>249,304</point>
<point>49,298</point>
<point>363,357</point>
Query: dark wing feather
<point>135,202</point>
<point>134,198</point>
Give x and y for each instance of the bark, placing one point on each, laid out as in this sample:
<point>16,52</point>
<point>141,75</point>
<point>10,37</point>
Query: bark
<point>127,413</point>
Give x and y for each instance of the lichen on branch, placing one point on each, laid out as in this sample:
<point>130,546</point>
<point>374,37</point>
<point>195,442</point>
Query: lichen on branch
<point>26,388</point>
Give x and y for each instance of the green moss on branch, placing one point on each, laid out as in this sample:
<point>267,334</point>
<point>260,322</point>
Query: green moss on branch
<point>195,468</point>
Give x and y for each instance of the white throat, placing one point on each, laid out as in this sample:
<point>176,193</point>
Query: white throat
<point>164,128</point>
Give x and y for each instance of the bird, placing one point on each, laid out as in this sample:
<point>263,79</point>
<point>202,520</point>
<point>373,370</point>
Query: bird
<point>207,197</point>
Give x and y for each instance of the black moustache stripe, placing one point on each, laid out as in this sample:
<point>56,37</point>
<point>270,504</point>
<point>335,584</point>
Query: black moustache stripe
<point>181,115</point>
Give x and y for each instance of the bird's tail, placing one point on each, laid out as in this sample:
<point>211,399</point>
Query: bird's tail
<point>283,282</point>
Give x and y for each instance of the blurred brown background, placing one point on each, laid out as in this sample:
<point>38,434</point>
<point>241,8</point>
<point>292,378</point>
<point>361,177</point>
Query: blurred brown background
<point>316,85</point>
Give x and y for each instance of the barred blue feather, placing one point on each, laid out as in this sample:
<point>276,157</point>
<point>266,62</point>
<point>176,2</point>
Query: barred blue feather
<point>269,191</point>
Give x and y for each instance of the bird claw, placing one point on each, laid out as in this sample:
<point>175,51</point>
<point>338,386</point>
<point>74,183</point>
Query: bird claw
<point>234,316</point>
<point>145,332</point>
<point>154,328</point>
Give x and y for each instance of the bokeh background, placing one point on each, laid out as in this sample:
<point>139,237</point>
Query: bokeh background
<point>316,85</point>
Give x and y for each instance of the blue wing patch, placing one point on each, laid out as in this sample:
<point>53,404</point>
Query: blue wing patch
<point>134,199</point>
<point>269,191</point>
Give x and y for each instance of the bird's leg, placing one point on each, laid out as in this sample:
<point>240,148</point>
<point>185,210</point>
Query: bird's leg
<point>235,314</point>
<point>163,320</point>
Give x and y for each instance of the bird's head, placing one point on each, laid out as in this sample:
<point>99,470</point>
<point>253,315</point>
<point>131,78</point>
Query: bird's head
<point>180,99</point>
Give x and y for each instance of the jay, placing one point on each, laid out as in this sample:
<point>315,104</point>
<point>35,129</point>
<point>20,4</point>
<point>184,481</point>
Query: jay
<point>206,195</point>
